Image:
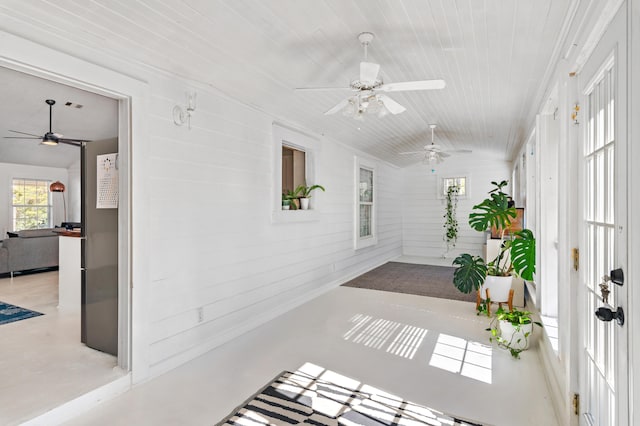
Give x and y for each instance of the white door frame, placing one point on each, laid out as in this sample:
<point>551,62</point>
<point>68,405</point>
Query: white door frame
<point>25,56</point>
<point>610,48</point>
<point>633,201</point>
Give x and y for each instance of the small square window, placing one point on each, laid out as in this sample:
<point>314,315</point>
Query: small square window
<point>459,181</point>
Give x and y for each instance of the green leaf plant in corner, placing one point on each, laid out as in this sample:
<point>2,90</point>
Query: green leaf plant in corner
<point>517,252</point>
<point>450,220</point>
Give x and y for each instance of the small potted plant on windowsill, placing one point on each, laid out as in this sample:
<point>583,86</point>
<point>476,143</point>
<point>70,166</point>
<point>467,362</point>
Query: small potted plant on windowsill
<point>304,192</point>
<point>286,202</point>
<point>517,254</point>
<point>290,200</point>
<point>512,330</point>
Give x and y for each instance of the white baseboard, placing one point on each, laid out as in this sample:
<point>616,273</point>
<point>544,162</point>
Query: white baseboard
<point>255,322</point>
<point>82,404</point>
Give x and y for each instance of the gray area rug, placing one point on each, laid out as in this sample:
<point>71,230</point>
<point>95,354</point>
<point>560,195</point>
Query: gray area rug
<point>331,400</point>
<point>421,280</point>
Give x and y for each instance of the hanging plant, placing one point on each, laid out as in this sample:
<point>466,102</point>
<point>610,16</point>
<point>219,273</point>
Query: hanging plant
<point>450,220</point>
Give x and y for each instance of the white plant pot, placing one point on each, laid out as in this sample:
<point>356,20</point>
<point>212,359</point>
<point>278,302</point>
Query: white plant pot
<point>513,338</point>
<point>498,288</point>
<point>304,203</point>
<point>286,207</point>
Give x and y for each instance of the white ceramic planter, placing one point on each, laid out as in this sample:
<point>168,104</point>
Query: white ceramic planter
<point>498,288</point>
<point>515,339</point>
<point>304,203</point>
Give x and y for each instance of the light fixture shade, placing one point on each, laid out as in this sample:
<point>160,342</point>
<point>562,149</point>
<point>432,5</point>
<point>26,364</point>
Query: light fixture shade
<point>49,139</point>
<point>56,186</point>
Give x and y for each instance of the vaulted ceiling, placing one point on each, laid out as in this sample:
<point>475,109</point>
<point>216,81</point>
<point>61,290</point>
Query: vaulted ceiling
<point>493,55</point>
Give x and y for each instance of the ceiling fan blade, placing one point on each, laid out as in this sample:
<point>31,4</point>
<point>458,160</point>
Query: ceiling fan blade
<point>320,89</point>
<point>411,152</point>
<point>22,137</point>
<point>343,103</point>
<point>459,151</point>
<point>369,72</point>
<point>73,142</point>
<point>412,85</point>
<point>65,140</point>
<point>391,105</point>
<point>444,155</point>
<point>24,133</point>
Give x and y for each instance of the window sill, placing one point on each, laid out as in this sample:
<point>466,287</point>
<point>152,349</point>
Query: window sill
<point>361,243</point>
<point>295,216</point>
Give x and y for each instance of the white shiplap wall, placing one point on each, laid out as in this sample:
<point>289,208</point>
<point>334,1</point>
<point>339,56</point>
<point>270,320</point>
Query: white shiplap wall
<point>423,211</point>
<point>214,246</point>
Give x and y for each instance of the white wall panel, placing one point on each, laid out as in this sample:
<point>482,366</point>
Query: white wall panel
<point>215,248</point>
<point>423,211</point>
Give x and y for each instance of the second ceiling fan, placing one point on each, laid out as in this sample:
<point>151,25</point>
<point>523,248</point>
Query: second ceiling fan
<point>369,96</point>
<point>434,153</point>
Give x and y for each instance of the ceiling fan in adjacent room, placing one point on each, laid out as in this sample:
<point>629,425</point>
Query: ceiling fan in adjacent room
<point>49,138</point>
<point>434,153</point>
<point>369,90</point>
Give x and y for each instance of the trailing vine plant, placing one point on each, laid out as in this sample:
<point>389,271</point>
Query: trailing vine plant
<point>450,220</point>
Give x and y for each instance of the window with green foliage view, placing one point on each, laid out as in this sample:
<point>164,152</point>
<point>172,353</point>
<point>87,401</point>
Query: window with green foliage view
<point>31,204</point>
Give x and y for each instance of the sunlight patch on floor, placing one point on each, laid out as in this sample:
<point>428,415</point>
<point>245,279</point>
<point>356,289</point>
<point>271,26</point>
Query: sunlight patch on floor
<point>377,333</point>
<point>459,356</point>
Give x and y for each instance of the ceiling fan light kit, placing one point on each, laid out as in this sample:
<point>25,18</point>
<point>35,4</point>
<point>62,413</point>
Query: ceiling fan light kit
<point>366,99</point>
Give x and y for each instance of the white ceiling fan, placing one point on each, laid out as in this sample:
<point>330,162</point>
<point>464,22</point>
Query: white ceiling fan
<point>434,153</point>
<point>369,97</point>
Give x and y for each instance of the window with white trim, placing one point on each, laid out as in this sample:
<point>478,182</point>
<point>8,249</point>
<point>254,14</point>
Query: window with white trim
<point>294,155</point>
<point>366,198</point>
<point>447,182</point>
<point>31,204</point>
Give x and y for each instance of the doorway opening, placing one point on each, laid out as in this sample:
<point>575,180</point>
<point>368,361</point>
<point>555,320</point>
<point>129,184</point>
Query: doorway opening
<point>60,367</point>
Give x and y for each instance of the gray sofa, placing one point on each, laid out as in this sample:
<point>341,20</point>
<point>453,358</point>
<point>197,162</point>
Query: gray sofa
<point>31,249</point>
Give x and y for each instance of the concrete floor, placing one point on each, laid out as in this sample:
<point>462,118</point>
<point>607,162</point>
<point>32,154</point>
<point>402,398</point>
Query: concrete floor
<point>450,366</point>
<point>43,364</point>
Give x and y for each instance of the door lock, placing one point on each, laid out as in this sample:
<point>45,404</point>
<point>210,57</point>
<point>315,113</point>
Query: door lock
<point>606,314</point>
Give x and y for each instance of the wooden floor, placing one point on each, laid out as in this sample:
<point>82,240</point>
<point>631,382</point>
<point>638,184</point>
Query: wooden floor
<point>42,361</point>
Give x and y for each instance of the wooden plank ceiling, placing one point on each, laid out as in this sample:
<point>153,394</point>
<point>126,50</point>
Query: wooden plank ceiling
<point>493,54</point>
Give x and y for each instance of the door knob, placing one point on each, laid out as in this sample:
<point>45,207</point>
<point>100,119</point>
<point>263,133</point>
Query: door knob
<point>606,314</point>
<point>617,276</point>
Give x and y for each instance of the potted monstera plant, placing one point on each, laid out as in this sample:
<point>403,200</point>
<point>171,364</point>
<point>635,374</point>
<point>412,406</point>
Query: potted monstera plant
<point>517,255</point>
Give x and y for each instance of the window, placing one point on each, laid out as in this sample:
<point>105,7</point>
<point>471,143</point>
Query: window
<point>365,234</point>
<point>460,181</point>
<point>293,168</point>
<point>294,156</point>
<point>31,204</point>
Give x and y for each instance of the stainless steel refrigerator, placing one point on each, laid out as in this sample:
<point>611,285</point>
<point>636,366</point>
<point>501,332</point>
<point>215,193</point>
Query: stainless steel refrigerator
<point>99,315</point>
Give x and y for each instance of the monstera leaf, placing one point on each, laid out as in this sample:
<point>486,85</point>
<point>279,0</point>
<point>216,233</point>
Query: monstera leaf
<point>493,211</point>
<point>523,254</point>
<point>470,273</point>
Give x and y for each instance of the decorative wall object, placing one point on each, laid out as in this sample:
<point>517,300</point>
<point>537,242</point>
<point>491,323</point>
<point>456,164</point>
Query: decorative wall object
<point>183,115</point>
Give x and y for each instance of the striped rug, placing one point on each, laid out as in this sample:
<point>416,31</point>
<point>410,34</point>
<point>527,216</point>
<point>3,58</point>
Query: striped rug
<point>331,399</point>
